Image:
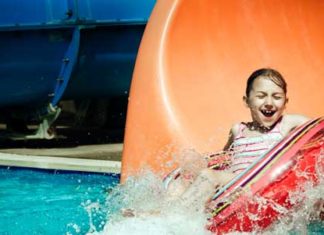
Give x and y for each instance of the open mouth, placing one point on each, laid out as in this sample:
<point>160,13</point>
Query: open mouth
<point>268,113</point>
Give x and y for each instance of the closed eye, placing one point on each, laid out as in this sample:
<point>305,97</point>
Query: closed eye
<point>277,97</point>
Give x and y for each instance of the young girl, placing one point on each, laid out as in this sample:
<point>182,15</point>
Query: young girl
<point>266,97</point>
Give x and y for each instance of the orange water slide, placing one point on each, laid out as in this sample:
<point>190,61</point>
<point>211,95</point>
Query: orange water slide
<point>193,64</point>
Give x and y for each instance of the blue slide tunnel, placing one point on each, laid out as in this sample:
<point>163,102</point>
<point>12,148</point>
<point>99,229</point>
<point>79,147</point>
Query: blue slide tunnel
<point>56,50</point>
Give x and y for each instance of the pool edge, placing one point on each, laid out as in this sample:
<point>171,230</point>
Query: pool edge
<point>60,163</point>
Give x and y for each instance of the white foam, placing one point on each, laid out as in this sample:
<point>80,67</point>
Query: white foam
<point>147,194</point>
<point>164,224</point>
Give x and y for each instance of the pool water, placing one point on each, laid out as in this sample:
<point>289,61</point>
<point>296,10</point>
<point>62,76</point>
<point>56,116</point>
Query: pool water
<point>53,202</point>
<point>61,202</point>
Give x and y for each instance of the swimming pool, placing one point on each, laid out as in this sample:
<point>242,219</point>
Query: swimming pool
<point>64,202</point>
<point>52,202</point>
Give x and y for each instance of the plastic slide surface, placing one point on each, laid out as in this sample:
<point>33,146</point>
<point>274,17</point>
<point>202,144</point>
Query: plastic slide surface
<point>192,67</point>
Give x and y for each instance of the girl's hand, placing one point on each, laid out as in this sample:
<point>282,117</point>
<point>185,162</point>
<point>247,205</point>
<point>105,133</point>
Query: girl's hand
<point>209,206</point>
<point>220,160</point>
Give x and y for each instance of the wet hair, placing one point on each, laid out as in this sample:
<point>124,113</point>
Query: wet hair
<point>269,73</point>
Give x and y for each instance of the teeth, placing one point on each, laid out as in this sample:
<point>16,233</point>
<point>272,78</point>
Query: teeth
<point>268,112</point>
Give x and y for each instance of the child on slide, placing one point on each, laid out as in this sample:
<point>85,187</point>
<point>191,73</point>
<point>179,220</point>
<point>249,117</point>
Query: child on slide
<point>266,97</point>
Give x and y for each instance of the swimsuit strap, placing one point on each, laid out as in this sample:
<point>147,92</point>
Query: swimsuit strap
<point>242,127</point>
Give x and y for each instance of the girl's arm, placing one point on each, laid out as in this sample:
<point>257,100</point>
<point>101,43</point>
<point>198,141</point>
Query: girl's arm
<point>222,159</point>
<point>291,121</point>
<point>233,132</point>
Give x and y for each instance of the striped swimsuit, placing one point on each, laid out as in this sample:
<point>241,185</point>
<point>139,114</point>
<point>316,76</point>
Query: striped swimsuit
<point>246,150</point>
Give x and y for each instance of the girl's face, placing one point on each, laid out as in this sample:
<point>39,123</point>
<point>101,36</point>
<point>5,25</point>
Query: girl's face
<point>266,101</point>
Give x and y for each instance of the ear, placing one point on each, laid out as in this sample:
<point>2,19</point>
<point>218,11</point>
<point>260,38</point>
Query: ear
<point>287,99</point>
<point>246,101</point>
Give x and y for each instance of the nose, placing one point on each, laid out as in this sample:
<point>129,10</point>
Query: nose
<point>268,102</point>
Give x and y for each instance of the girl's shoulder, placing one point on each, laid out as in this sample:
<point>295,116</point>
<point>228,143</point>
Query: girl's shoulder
<point>236,129</point>
<point>234,132</point>
<point>291,121</point>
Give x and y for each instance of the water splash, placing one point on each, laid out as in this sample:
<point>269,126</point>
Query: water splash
<point>304,217</point>
<point>162,217</point>
<point>155,214</point>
